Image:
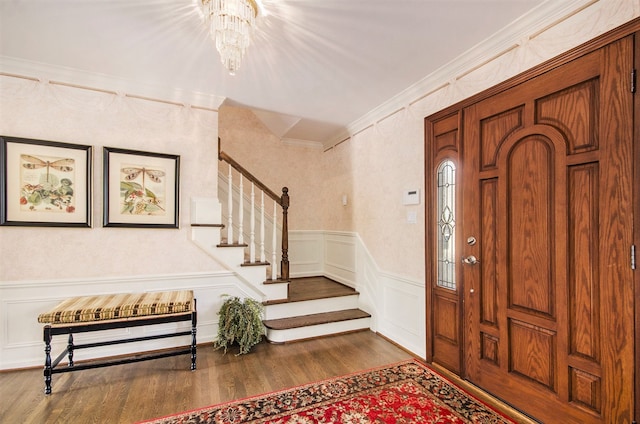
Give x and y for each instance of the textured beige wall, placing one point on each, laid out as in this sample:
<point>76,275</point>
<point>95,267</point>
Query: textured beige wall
<point>386,160</point>
<point>374,168</point>
<point>276,164</point>
<point>40,110</point>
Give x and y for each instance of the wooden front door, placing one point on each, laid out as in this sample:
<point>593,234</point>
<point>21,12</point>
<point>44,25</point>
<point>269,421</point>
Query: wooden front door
<point>547,193</point>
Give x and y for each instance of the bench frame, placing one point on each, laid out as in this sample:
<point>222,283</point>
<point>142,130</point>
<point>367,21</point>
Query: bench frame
<point>51,330</point>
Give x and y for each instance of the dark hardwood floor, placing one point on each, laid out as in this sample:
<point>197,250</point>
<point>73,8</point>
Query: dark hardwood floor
<point>145,390</point>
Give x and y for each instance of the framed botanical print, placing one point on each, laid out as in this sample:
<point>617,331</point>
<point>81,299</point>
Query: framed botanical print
<point>44,183</point>
<point>141,189</point>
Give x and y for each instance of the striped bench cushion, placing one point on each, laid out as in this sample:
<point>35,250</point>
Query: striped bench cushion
<point>118,306</point>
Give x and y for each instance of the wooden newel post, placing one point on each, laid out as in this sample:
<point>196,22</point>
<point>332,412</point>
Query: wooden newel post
<point>284,264</point>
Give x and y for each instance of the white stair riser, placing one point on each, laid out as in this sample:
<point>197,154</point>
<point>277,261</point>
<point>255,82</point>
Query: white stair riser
<point>256,274</point>
<point>308,307</point>
<point>281,336</point>
<point>206,236</point>
<point>275,291</point>
<point>232,256</point>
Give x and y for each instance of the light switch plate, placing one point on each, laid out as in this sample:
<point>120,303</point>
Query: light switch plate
<point>412,217</point>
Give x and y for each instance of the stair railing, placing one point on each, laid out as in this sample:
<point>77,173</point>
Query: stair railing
<point>283,201</point>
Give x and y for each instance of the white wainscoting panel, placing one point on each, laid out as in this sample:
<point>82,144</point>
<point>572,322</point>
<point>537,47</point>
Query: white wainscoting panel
<point>21,302</point>
<point>340,257</point>
<point>306,253</point>
<point>402,313</point>
<point>368,283</point>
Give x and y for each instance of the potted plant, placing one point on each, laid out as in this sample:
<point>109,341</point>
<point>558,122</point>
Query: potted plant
<point>240,322</point>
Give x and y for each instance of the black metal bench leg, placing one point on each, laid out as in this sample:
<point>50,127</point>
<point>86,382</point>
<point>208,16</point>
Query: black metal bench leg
<point>47,360</point>
<point>70,349</point>
<point>194,321</point>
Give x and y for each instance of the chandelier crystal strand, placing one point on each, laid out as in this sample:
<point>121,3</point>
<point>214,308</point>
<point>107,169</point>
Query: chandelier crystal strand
<point>231,25</point>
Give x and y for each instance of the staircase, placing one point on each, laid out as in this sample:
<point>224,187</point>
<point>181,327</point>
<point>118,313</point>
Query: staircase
<point>295,308</point>
<point>315,307</point>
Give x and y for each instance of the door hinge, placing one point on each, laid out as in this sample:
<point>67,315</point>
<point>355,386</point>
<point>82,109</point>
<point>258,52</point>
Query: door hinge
<point>633,256</point>
<point>633,81</point>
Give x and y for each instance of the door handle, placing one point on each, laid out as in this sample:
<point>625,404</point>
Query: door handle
<point>470,260</point>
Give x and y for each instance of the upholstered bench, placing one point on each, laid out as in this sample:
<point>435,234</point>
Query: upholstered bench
<point>107,312</point>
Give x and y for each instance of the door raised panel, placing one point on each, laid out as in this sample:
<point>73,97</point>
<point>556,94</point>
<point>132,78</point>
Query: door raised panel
<point>533,353</point>
<point>493,132</point>
<point>490,345</point>
<point>584,276</point>
<point>446,330</point>
<point>586,390</point>
<point>574,112</point>
<point>488,291</point>
<point>446,135</point>
<point>529,187</point>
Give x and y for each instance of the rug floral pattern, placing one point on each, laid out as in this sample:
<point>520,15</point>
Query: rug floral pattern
<point>407,392</point>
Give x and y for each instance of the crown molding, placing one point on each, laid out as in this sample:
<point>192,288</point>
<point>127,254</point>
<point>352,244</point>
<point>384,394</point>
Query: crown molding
<point>101,82</point>
<point>542,18</point>
<point>302,143</point>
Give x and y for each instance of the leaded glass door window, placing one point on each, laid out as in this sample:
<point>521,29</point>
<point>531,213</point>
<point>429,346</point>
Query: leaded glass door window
<point>446,223</point>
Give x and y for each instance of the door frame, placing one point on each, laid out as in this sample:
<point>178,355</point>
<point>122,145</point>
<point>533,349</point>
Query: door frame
<point>636,216</point>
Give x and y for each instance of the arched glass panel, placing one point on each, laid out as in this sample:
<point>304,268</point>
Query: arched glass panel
<point>446,225</point>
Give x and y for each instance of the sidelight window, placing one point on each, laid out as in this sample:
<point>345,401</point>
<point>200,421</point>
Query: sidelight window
<point>446,224</point>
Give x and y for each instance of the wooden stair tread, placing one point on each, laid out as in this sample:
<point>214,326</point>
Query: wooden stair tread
<point>315,319</point>
<point>255,264</point>
<point>312,288</point>
<point>276,281</point>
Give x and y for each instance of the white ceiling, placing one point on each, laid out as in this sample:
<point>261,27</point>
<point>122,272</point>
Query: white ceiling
<point>314,67</point>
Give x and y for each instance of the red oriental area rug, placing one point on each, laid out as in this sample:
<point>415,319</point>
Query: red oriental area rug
<point>407,392</point>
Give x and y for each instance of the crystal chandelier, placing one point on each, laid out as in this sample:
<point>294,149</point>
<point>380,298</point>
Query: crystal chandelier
<point>231,24</point>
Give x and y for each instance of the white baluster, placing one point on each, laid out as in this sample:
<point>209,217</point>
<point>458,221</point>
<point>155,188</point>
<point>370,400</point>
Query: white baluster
<point>230,209</point>
<point>241,212</point>
<point>252,246</point>
<point>262,257</point>
<point>274,258</point>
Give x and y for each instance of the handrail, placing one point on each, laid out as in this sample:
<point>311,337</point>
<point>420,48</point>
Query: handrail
<point>235,165</point>
<point>283,201</point>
